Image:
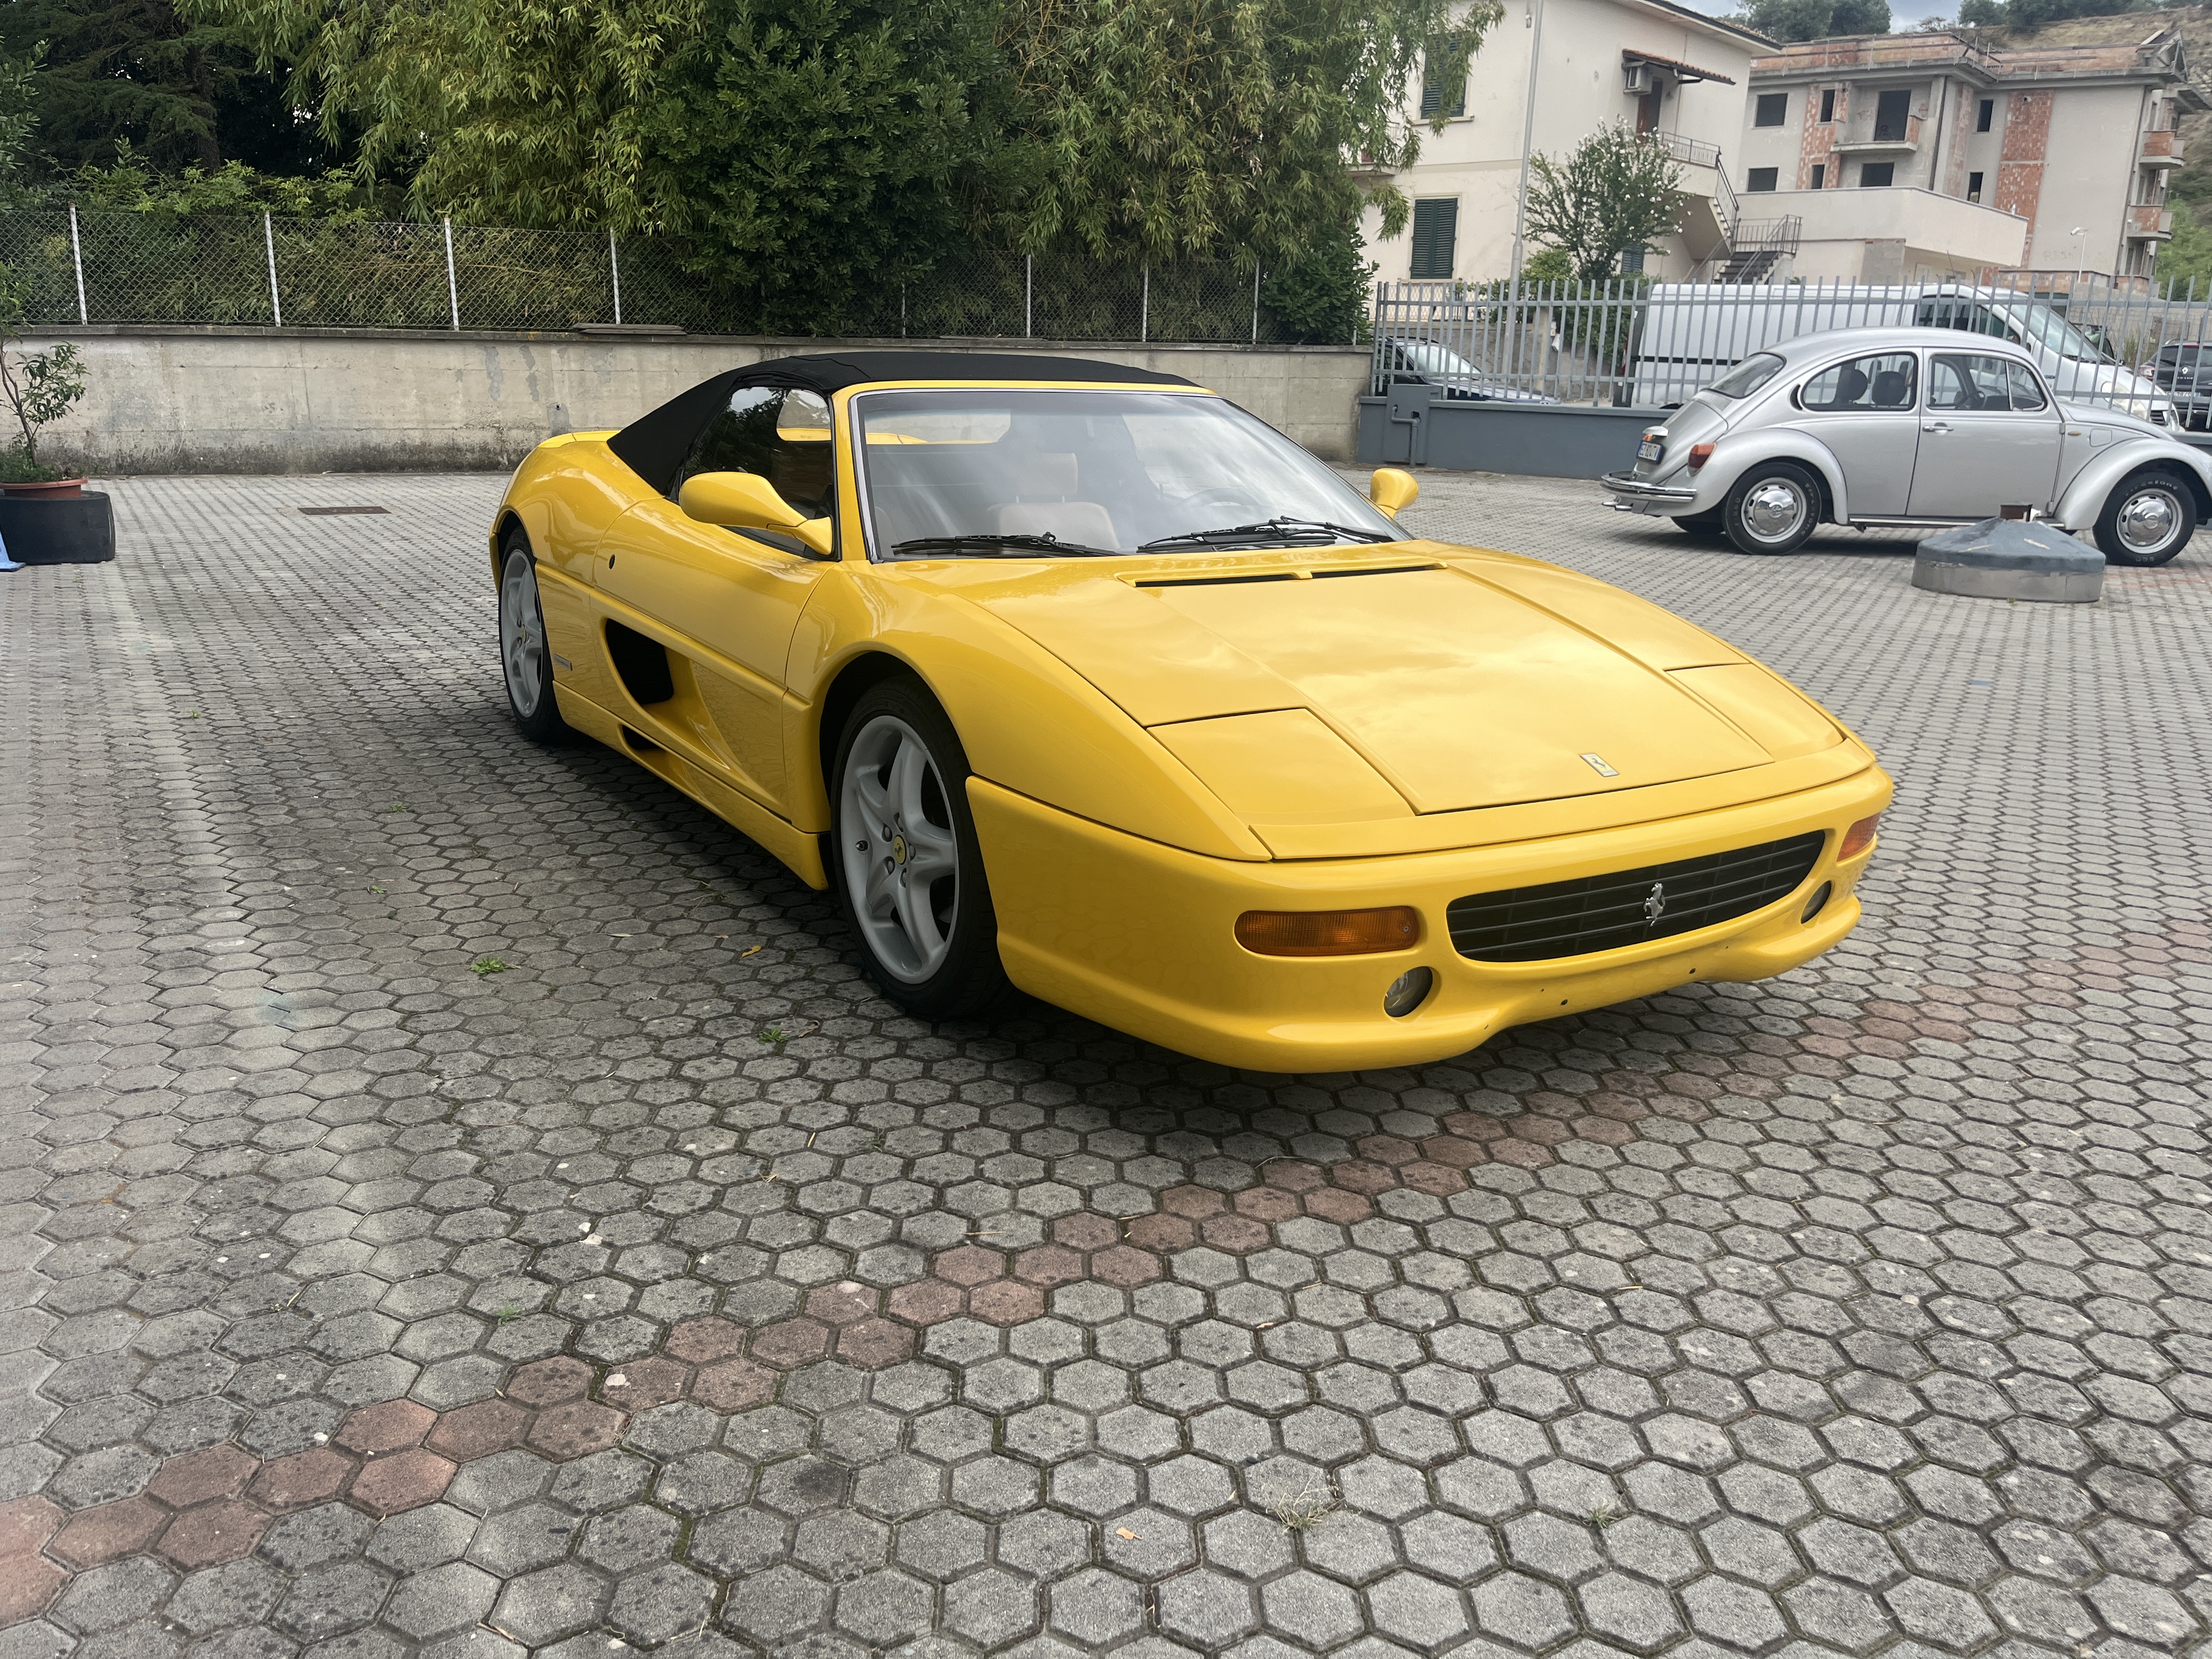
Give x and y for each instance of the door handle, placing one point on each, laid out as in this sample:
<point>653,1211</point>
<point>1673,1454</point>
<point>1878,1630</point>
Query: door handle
<point>1936,425</point>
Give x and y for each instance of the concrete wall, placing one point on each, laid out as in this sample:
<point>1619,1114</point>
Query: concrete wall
<point>225,399</point>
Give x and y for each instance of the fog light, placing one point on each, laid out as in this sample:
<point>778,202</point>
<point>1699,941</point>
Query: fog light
<point>1819,902</point>
<point>1327,932</point>
<point>1407,992</point>
<point>1858,838</point>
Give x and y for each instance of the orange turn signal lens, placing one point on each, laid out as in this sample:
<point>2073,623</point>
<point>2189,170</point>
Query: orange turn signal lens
<point>1699,454</point>
<point>1858,838</point>
<point>1327,932</point>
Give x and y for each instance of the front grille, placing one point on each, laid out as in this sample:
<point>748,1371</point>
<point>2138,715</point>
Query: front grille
<point>1604,913</point>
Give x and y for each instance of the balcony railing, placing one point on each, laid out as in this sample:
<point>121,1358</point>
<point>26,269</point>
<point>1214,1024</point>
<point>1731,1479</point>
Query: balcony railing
<point>2161,149</point>
<point>2149,223</point>
<point>1694,151</point>
<point>1871,133</point>
<point>1769,235</point>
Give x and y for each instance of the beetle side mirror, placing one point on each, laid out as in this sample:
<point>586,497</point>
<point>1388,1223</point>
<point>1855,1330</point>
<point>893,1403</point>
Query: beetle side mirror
<point>1392,490</point>
<point>745,501</point>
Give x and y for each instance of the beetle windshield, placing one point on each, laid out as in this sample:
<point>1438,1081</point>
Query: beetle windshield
<point>1035,474</point>
<point>1747,376</point>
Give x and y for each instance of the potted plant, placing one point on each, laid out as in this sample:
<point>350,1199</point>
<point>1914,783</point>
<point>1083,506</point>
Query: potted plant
<point>46,514</point>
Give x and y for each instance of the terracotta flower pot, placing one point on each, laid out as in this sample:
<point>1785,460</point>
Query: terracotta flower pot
<point>55,489</point>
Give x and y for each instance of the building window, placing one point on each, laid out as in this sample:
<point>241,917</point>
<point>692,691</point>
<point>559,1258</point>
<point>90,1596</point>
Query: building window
<point>1819,175</point>
<point>1759,178</point>
<point>1433,92</point>
<point>1986,114</point>
<point>1772,109</point>
<point>1891,112</point>
<point>1974,186</point>
<point>1874,176</point>
<point>1827,105</point>
<point>1435,221</point>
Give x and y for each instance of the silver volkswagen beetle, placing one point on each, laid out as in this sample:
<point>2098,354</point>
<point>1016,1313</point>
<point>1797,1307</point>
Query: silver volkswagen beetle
<point>1916,426</point>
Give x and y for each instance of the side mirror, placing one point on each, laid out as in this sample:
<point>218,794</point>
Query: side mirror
<point>740,501</point>
<point>745,501</point>
<point>1392,490</point>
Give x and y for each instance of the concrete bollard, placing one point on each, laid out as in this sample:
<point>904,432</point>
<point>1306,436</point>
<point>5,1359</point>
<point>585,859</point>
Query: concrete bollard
<point>2002,559</point>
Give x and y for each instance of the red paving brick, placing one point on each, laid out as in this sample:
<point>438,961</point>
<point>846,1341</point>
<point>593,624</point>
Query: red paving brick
<point>301,1480</point>
<point>27,1588</point>
<point>1192,1201</point>
<point>969,1264</point>
<point>201,1477</point>
<point>109,1531</point>
<point>646,1383</point>
<point>790,1342</point>
<point>1266,1204</point>
<point>1006,1302</point>
<point>402,1480</point>
<point>387,1427</point>
<point>926,1302</point>
<point>211,1534</point>
<point>479,1430</point>
<point>734,1384</point>
<point>1082,1231</point>
<point>874,1342</point>
<point>550,1382</point>
<point>1332,1204</point>
<point>1289,1176</point>
<point>25,1524</point>
<point>1049,1265</point>
<point>1238,1233</point>
<point>702,1342</point>
<point>1125,1266</point>
<point>1169,1233</point>
<point>575,1430</point>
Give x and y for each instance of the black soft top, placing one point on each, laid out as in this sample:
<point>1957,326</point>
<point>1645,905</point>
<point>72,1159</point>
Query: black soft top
<point>653,446</point>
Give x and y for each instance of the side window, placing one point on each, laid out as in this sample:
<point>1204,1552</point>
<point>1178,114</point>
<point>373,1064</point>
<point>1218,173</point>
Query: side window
<point>1981,384</point>
<point>783,435</point>
<point>1869,384</point>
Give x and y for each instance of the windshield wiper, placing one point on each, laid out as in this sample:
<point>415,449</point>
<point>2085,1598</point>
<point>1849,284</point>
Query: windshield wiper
<point>1046,543</point>
<point>1275,526</point>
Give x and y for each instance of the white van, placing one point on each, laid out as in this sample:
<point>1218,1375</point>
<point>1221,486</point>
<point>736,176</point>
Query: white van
<point>1689,334</point>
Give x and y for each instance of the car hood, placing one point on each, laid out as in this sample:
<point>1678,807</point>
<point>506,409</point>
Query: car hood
<point>1459,680</point>
<point>2105,415</point>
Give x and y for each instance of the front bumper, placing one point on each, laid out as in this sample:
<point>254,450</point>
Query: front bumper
<point>1140,936</point>
<point>1633,495</point>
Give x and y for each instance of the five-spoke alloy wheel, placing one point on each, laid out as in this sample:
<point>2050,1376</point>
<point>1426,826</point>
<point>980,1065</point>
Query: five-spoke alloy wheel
<point>2147,520</point>
<point>909,877</point>
<point>524,656</point>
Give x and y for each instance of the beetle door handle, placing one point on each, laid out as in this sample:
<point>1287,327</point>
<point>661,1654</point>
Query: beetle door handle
<point>1936,425</point>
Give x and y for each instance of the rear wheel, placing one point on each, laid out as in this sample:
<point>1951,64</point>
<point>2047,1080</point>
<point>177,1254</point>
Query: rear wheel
<point>2147,520</point>
<point>1773,508</point>
<point>525,659</point>
<point>909,870</point>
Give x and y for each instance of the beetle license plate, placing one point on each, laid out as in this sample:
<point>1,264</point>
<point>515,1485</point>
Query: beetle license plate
<point>1649,450</point>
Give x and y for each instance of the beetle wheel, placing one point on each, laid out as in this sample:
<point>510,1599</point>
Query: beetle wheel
<point>2147,520</point>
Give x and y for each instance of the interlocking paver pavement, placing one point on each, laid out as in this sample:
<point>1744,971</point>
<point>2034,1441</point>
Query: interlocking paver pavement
<point>666,1289</point>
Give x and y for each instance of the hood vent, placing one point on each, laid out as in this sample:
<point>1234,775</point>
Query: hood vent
<point>1283,576</point>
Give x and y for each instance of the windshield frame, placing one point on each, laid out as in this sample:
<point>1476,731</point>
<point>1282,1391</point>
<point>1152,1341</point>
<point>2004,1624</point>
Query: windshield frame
<point>854,436</point>
<point>1781,366</point>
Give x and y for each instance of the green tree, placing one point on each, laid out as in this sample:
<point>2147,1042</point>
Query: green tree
<point>1815,20</point>
<point>1215,126</point>
<point>2188,257</point>
<point>1614,192</point>
<point>183,92</point>
<point>1321,297</point>
<point>2033,14</point>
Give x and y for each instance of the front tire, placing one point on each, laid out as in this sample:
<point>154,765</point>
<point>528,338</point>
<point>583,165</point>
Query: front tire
<point>905,857</point>
<point>1772,508</point>
<point>2147,520</point>
<point>526,660</point>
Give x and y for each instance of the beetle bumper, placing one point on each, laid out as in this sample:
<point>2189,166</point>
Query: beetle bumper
<point>1633,495</point>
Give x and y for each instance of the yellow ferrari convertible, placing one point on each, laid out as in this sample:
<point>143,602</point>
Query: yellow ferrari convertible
<point>1080,679</point>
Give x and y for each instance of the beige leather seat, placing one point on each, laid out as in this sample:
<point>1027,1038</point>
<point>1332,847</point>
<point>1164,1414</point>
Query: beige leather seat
<point>1047,506</point>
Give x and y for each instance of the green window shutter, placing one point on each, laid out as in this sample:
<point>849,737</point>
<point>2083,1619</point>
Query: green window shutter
<point>1436,223</point>
<point>1432,92</point>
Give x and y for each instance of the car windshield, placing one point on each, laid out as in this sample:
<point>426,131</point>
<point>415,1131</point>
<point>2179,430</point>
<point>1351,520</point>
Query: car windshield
<point>1032,474</point>
<point>2042,324</point>
<point>1747,376</point>
<point>1430,358</point>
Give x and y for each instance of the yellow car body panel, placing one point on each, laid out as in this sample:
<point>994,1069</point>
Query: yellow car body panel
<point>1161,743</point>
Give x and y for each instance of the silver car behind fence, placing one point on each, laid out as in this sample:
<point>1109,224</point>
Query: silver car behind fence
<point>1910,426</point>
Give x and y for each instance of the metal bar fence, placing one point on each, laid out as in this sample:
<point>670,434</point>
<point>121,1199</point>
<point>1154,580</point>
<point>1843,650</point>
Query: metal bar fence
<point>1652,345</point>
<point>87,266</point>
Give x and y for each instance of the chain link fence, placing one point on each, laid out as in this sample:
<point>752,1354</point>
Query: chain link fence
<point>80,265</point>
